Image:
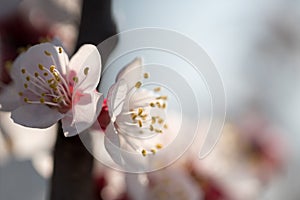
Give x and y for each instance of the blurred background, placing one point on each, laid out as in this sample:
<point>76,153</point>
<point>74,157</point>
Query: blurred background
<point>255,47</point>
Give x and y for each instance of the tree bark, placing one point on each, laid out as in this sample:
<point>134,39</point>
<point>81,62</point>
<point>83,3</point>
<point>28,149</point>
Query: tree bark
<point>72,176</point>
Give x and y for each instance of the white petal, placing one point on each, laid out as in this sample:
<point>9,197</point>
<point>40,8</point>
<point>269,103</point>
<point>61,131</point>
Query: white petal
<point>15,72</point>
<point>87,66</point>
<point>112,144</point>
<point>37,55</point>
<point>131,73</point>
<point>115,98</point>
<point>35,116</point>
<point>9,98</point>
<point>84,114</point>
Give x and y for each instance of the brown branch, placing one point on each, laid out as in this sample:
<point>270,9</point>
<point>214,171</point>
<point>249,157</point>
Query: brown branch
<point>72,176</point>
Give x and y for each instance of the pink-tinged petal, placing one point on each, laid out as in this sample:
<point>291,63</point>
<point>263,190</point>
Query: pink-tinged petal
<point>84,114</point>
<point>112,144</point>
<point>35,116</point>
<point>86,64</point>
<point>115,98</point>
<point>131,73</point>
<point>45,54</point>
<point>68,125</point>
<point>9,98</point>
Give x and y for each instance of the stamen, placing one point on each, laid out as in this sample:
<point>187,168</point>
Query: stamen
<point>28,78</point>
<point>23,71</point>
<point>138,84</point>
<point>20,94</point>
<point>75,79</point>
<point>86,71</point>
<point>42,100</point>
<point>140,123</point>
<point>157,89</point>
<point>153,151</point>
<point>52,68</point>
<point>158,146</point>
<point>41,67</point>
<point>144,152</point>
<point>25,85</point>
<point>59,50</point>
<point>140,111</point>
<point>152,104</point>
<point>47,53</point>
<point>151,127</point>
<point>146,75</point>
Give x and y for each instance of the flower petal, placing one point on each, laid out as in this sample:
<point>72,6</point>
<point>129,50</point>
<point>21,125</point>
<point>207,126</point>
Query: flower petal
<point>87,66</point>
<point>131,73</point>
<point>112,144</point>
<point>84,114</point>
<point>9,98</point>
<point>35,116</point>
<point>45,54</point>
<point>115,98</point>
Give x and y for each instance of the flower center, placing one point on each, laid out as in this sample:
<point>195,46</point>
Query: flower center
<point>46,86</point>
<point>143,118</point>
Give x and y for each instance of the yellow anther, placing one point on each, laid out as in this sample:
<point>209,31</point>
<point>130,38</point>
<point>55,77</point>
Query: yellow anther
<point>20,94</point>
<point>47,53</point>
<point>86,71</point>
<point>133,116</point>
<point>164,105</point>
<point>59,50</point>
<point>41,67</point>
<point>153,151</point>
<point>36,74</point>
<point>50,80</point>
<point>151,128</point>
<point>153,120</point>
<point>146,75</point>
<point>138,84</point>
<point>25,99</point>
<point>165,126</point>
<point>25,85</point>
<point>53,85</point>
<point>144,116</point>
<point>158,146</point>
<point>75,79</point>
<point>157,89</point>
<point>43,94</point>
<point>28,78</point>
<point>158,130</point>
<point>162,97</point>
<point>54,100</point>
<point>158,104</point>
<point>160,121</point>
<point>140,123</point>
<point>152,104</point>
<point>23,71</point>
<point>144,152</point>
<point>42,100</point>
<point>140,111</point>
<point>52,68</point>
<point>46,74</point>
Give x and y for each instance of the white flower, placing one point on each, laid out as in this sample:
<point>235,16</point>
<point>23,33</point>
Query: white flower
<point>138,114</point>
<point>51,88</point>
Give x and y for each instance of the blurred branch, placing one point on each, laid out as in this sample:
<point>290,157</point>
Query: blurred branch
<point>72,175</point>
